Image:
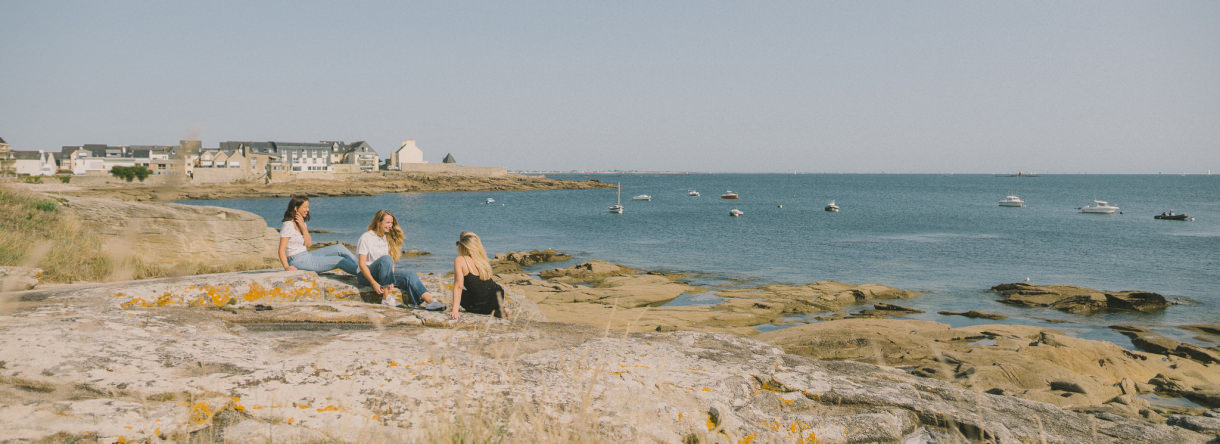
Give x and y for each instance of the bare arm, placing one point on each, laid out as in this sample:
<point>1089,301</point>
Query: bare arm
<point>459,274</point>
<point>300,223</point>
<point>284,254</point>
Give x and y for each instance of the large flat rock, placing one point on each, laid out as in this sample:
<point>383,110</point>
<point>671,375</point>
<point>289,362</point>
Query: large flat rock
<point>81,363</point>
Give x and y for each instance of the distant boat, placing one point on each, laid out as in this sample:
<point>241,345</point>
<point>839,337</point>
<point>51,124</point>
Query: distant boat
<point>1172,216</point>
<point>831,207</point>
<point>692,193</point>
<point>1022,174</point>
<point>1099,207</point>
<point>642,197</point>
<point>1012,201</point>
<point>489,201</point>
<point>728,195</point>
<point>735,212</point>
<point>617,208</point>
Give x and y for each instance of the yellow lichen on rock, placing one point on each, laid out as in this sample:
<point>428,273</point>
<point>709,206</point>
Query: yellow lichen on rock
<point>201,412</point>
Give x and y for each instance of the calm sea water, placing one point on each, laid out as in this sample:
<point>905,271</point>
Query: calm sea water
<point>942,234</point>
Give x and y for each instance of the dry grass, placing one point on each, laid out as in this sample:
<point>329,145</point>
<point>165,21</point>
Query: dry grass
<point>38,231</point>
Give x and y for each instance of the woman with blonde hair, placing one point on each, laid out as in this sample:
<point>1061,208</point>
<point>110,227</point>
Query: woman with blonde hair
<point>473,289</point>
<point>376,252</point>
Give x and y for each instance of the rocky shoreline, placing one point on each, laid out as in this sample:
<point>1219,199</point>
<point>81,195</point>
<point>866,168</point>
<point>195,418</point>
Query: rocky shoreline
<point>596,352</point>
<point>363,185</point>
<point>298,357</point>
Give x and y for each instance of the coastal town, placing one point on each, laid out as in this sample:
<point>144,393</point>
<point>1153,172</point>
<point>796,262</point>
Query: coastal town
<point>229,162</point>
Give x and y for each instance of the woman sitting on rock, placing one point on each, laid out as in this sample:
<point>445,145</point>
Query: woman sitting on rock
<point>473,289</point>
<point>295,242</point>
<point>376,252</point>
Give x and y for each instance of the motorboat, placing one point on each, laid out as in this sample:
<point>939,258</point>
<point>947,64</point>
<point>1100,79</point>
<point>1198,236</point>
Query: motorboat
<point>1172,216</point>
<point>489,201</point>
<point>1012,201</point>
<point>735,212</point>
<point>1099,207</point>
<point>642,197</point>
<point>617,208</point>
<point>692,193</point>
<point>728,195</point>
<point>831,207</point>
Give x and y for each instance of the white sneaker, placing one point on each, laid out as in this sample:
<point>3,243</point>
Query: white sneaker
<point>389,301</point>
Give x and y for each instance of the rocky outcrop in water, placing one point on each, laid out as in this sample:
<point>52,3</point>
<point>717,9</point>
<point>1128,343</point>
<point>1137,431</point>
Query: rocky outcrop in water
<point>512,261</point>
<point>1078,300</point>
<point>1025,361</point>
<point>1152,342</point>
<point>197,359</point>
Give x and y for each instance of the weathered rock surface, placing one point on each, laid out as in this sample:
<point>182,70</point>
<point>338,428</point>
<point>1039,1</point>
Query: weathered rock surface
<point>511,262</point>
<point>623,298</point>
<point>973,314</point>
<point>592,272</point>
<point>1149,341</point>
<point>320,366</point>
<point>18,278</point>
<point>532,257</point>
<point>823,295</point>
<point>1209,329</point>
<point>167,233</point>
<point>1078,300</point>
<point>883,309</point>
<point>1024,361</point>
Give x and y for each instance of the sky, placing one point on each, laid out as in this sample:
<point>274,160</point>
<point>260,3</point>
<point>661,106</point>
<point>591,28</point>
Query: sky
<point>700,86</point>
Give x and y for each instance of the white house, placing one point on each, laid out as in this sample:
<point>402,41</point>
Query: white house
<point>407,153</point>
<point>34,163</point>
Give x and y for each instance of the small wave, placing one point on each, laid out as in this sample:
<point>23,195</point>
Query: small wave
<point>930,237</point>
<point>1184,301</point>
<point>1199,235</point>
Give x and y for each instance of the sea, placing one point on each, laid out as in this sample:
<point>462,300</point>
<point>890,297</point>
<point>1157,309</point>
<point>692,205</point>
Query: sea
<point>944,235</point>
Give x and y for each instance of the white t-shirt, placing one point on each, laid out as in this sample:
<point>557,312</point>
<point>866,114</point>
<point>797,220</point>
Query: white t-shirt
<point>296,242</point>
<point>372,246</point>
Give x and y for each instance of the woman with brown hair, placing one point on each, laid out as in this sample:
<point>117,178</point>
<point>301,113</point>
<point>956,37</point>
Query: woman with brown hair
<point>376,252</point>
<point>295,241</point>
<point>473,289</point>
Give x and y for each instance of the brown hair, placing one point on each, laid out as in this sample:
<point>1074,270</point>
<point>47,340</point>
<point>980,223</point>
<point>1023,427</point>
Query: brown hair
<point>293,204</point>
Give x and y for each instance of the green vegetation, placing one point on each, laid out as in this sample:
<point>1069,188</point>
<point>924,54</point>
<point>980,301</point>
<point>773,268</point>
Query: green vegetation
<point>128,173</point>
<point>38,234</point>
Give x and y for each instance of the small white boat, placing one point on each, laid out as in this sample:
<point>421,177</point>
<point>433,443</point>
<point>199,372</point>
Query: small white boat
<point>831,207</point>
<point>692,193</point>
<point>618,207</point>
<point>489,201</point>
<point>735,212</point>
<point>1099,207</point>
<point>728,195</point>
<point>643,197</point>
<point>1012,201</point>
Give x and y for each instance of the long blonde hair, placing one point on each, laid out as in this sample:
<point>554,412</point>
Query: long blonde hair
<point>469,244</point>
<point>392,237</point>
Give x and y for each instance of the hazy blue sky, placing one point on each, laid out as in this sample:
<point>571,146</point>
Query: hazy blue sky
<point>971,86</point>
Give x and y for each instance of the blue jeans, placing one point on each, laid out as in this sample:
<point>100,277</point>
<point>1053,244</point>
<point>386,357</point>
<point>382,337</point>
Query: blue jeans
<point>385,273</point>
<point>326,259</point>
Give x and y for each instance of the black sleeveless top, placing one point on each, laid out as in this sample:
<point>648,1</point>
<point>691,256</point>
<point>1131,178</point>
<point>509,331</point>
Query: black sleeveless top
<point>481,296</point>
